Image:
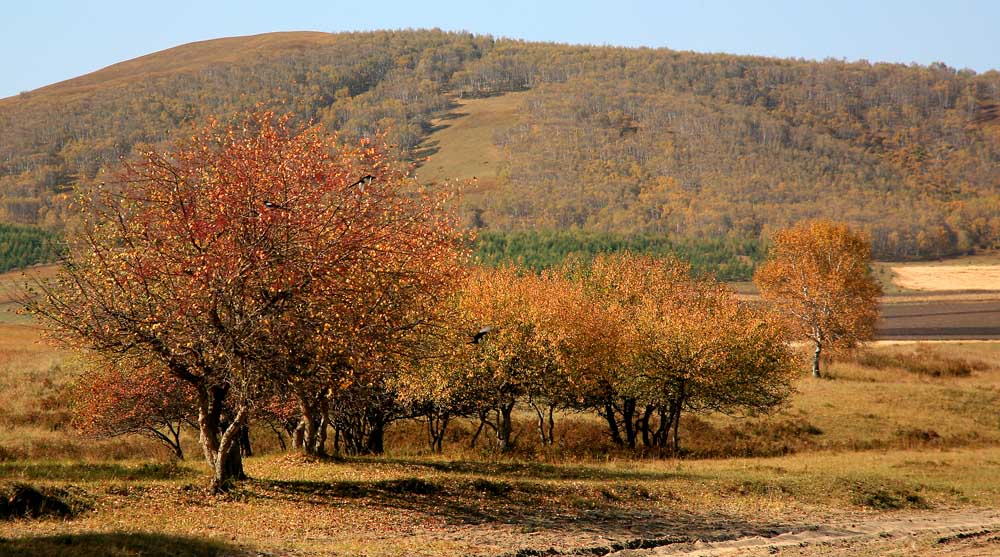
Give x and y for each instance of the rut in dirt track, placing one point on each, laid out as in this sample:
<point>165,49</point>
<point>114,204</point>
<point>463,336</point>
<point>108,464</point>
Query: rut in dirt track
<point>946,524</point>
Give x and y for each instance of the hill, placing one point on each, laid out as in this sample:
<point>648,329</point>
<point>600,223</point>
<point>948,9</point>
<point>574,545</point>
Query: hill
<point>570,138</point>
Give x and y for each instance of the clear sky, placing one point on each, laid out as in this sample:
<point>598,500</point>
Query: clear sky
<point>45,41</point>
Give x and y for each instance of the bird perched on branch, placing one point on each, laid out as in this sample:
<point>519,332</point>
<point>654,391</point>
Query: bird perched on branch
<point>362,182</point>
<point>272,205</point>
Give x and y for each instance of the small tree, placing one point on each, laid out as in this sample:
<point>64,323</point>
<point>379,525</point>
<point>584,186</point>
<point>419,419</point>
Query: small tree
<point>655,342</point>
<point>818,275</point>
<point>115,400</point>
<point>700,349</point>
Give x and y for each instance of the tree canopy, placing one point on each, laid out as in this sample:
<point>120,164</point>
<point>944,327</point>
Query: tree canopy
<point>818,274</point>
<point>253,258</point>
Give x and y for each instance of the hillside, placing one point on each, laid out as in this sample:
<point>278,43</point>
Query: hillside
<point>559,137</point>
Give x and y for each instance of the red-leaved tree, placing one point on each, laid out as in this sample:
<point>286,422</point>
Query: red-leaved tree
<point>252,258</point>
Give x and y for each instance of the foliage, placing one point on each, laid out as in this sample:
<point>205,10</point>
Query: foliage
<point>127,399</point>
<point>682,344</point>
<point>818,275</point>
<point>634,339</point>
<point>650,141</point>
<point>252,258</point>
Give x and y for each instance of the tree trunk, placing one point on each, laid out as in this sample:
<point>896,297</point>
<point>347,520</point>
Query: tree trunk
<point>310,423</point>
<point>483,422</point>
<point>816,354</point>
<point>229,460</point>
<point>678,407</point>
<point>552,426</point>
<point>375,444</point>
<point>609,415</point>
<point>545,428</point>
<point>437,425</point>
<point>644,425</point>
<point>299,436</point>
<point>504,426</point>
<point>628,418</point>
<point>666,419</point>
<point>222,451</point>
<point>245,448</point>
<point>676,444</point>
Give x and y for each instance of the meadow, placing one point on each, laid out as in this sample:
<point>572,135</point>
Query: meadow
<point>895,452</point>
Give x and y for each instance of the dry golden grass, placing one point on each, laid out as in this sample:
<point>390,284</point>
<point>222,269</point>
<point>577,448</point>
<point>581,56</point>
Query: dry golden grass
<point>950,277</point>
<point>979,272</point>
<point>462,148</point>
<point>185,58</point>
<point>878,440</point>
<point>12,285</point>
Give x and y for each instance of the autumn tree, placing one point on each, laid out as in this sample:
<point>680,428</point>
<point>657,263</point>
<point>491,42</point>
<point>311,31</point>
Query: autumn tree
<point>818,274</point>
<point>124,399</point>
<point>654,342</point>
<point>250,258</point>
<point>510,357</point>
<point>697,348</point>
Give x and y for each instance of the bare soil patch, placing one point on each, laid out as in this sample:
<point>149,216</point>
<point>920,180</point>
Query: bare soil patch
<point>939,320</point>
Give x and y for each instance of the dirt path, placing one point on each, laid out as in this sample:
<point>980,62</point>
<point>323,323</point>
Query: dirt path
<point>957,526</point>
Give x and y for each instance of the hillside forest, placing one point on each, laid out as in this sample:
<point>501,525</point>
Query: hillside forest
<point>634,143</point>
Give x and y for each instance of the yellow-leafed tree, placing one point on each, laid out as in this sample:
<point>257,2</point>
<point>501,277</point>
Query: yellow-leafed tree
<point>818,275</point>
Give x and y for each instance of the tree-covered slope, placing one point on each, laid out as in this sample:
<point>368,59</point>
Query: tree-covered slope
<point>634,142</point>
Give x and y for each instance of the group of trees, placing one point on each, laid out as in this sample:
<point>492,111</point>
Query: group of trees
<point>634,339</point>
<point>629,141</point>
<point>263,271</point>
<point>728,259</point>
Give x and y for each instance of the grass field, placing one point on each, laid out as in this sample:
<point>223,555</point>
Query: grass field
<point>896,452</point>
<point>865,447</point>
<point>971,273</point>
<point>461,146</point>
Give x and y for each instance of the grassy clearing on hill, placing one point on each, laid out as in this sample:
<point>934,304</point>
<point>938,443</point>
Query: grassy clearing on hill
<point>461,145</point>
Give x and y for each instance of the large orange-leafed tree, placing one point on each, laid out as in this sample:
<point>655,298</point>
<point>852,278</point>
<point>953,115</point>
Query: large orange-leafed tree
<point>253,258</point>
<point>818,274</point>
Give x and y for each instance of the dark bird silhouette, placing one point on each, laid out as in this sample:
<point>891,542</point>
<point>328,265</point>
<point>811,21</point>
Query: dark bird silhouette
<point>480,334</point>
<point>362,182</point>
<point>272,205</point>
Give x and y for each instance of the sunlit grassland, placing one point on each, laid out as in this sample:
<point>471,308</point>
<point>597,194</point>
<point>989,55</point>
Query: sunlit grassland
<point>462,147</point>
<point>862,442</point>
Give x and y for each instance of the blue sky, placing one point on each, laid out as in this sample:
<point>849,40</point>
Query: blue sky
<point>47,41</point>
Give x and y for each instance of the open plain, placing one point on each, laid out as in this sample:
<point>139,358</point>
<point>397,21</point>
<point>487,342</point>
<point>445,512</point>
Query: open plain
<point>879,458</point>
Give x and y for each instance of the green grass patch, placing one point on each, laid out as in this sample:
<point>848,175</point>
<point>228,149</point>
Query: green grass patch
<point>83,471</point>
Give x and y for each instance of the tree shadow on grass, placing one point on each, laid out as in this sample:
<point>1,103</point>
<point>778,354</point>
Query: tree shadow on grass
<point>533,470</point>
<point>613,510</point>
<point>116,544</point>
